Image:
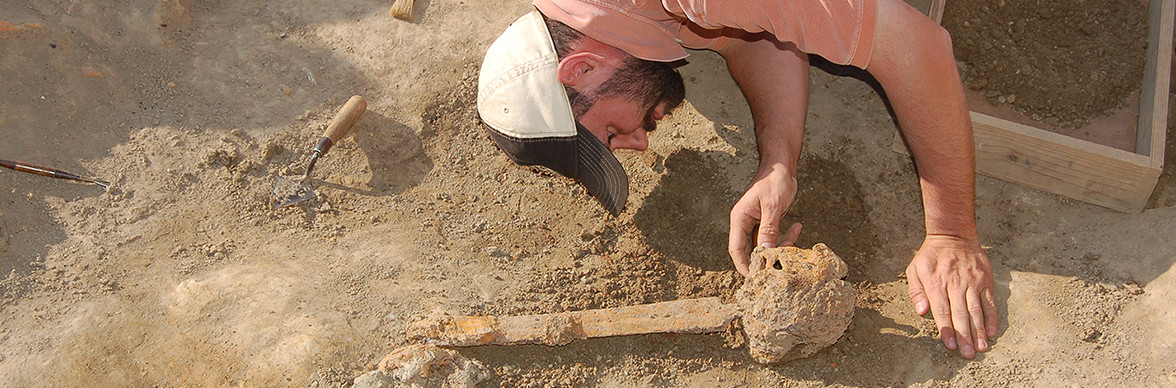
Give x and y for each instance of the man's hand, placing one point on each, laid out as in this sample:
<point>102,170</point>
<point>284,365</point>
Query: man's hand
<point>774,77</point>
<point>952,278</point>
<point>767,198</point>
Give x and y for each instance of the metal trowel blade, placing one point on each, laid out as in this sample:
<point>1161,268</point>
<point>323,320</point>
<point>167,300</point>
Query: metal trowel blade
<point>291,190</point>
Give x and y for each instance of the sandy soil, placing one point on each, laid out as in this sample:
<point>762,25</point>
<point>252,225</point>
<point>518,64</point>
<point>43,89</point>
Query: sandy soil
<point>1059,62</point>
<point>180,275</point>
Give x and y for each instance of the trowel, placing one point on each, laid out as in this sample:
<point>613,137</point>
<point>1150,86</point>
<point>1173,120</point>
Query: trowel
<point>292,190</point>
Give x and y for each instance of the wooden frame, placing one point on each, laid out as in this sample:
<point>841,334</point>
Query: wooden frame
<point>936,11</point>
<point>932,8</point>
<point>1084,170</point>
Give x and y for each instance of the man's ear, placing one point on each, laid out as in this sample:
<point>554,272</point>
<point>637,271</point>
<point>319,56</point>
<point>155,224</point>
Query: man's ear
<point>580,70</point>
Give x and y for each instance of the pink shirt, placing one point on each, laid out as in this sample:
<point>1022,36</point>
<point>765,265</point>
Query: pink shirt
<point>841,31</point>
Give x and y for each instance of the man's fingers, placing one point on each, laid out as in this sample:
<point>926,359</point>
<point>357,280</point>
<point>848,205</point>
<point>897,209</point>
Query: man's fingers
<point>976,315</point>
<point>769,231</point>
<point>916,292</point>
<point>935,301</point>
<point>940,308</point>
<point>962,323</point>
<point>942,315</point>
<point>739,256</point>
<point>988,301</point>
<point>741,226</point>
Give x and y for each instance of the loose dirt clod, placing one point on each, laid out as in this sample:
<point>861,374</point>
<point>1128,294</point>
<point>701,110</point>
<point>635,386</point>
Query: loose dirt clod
<point>424,366</point>
<point>173,12</point>
<point>793,304</point>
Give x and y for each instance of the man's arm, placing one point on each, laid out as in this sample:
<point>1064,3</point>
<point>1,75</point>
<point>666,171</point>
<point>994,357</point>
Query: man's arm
<point>774,77</point>
<point>950,275</point>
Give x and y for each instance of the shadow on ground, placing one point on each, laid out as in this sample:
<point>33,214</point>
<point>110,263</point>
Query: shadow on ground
<point>394,153</point>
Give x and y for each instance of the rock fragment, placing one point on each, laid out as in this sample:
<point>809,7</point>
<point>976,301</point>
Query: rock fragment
<point>424,366</point>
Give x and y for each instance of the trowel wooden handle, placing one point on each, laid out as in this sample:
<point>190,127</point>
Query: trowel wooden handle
<point>342,123</point>
<point>690,316</point>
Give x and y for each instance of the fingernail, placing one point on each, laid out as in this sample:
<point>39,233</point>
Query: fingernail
<point>983,345</point>
<point>951,343</point>
<point>968,351</point>
<point>921,308</point>
<point>766,245</point>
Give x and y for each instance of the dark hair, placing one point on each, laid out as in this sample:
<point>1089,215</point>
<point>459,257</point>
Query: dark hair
<point>562,36</point>
<point>647,82</point>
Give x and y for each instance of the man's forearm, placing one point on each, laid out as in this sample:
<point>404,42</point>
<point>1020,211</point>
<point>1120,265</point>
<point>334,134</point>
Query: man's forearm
<point>774,78</point>
<point>918,72</point>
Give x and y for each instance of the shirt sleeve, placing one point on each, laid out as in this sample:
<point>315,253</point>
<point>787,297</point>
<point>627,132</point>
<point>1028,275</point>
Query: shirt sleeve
<point>841,31</point>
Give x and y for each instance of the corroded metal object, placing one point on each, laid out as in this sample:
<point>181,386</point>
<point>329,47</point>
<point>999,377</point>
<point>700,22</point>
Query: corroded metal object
<point>792,304</point>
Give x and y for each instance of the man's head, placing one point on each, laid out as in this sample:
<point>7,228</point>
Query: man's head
<point>554,97</point>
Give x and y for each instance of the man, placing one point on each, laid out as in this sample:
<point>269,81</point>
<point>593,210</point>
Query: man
<point>527,94</point>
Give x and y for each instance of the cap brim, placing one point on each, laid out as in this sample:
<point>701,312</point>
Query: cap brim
<point>600,172</point>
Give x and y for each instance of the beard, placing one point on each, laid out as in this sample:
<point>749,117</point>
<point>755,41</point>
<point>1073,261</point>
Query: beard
<point>580,102</point>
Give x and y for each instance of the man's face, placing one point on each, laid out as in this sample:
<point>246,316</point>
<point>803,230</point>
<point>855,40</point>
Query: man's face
<point>610,92</point>
<point>620,122</point>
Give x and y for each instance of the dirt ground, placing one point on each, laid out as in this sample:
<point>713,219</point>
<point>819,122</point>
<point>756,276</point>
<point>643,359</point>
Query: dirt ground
<point>1059,62</point>
<point>181,275</point>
